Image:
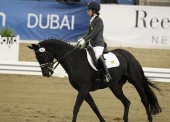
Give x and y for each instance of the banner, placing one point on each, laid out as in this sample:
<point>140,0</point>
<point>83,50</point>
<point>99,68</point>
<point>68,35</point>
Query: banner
<point>41,20</point>
<point>127,26</point>
<point>136,26</point>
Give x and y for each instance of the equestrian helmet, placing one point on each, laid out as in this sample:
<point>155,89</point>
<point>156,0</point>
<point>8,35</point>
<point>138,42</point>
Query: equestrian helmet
<point>94,6</point>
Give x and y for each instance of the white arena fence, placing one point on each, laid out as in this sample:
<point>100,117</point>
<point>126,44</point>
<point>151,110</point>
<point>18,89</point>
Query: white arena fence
<point>32,68</point>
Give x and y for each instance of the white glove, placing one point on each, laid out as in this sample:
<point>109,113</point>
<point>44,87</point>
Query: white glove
<point>81,42</point>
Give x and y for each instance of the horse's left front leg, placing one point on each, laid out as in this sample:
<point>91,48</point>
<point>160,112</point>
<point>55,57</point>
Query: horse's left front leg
<point>80,98</point>
<point>92,104</point>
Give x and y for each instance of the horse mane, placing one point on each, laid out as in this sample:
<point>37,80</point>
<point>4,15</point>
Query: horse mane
<point>54,40</point>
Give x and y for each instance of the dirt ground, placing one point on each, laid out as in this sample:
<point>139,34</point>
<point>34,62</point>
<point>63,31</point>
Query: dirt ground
<point>38,99</point>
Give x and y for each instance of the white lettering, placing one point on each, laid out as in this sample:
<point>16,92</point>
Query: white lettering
<point>72,23</point>
<point>3,18</point>
<point>51,21</point>
<point>32,20</point>
<point>65,22</point>
<point>54,24</point>
<point>41,21</point>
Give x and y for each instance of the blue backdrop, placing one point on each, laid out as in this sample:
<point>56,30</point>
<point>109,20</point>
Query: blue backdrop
<point>41,20</point>
<point>131,2</point>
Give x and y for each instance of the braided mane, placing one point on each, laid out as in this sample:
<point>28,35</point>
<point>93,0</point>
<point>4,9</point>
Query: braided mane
<point>55,40</point>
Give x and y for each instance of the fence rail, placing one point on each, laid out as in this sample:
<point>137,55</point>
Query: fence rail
<point>32,68</point>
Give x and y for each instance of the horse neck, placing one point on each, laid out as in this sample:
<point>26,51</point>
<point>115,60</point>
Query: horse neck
<point>62,50</point>
<point>66,54</point>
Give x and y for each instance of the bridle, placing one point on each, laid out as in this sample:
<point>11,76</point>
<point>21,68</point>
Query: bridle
<point>48,64</point>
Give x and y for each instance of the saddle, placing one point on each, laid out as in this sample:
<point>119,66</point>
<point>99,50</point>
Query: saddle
<point>110,58</point>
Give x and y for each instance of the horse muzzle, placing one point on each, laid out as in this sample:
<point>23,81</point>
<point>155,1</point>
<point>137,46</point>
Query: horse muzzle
<point>47,72</point>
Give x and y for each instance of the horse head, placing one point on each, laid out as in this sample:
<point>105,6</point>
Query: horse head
<point>45,59</point>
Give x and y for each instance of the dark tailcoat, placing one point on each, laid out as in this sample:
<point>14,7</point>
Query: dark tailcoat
<point>95,32</point>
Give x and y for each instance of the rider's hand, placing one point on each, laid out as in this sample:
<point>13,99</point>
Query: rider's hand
<point>81,42</point>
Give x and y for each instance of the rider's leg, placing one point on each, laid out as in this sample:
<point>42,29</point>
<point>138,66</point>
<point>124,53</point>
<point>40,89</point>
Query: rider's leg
<point>102,64</point>
<point>98,53</point>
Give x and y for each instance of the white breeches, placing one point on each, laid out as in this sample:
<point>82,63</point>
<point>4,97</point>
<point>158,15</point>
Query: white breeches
<point>98,50</point>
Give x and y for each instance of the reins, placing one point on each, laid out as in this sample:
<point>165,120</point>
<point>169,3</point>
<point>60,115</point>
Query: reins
<point>76,47</point>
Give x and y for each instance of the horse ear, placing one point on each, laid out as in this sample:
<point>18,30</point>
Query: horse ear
<point>33,46</point>
<point>30,47</point>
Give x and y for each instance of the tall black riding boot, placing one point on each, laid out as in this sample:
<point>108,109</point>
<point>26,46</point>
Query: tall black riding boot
<point>102,64</point>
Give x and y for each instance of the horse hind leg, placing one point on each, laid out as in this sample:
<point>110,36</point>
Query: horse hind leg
<point>145,102</point>
<point>138,84</point>
<point>117,91</point>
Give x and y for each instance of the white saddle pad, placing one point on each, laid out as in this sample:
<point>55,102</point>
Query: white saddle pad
<point>111,60</point>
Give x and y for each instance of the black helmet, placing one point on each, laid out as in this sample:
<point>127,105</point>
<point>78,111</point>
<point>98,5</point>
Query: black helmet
<point>94,5</point>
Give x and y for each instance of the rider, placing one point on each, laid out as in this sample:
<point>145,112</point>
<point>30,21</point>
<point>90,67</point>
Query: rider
<point>94,37</point>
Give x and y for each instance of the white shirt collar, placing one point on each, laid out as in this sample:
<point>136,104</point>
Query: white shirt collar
<point>92,18</point>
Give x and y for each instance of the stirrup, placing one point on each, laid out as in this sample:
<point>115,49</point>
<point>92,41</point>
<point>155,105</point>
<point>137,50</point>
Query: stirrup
<point>108,77</point>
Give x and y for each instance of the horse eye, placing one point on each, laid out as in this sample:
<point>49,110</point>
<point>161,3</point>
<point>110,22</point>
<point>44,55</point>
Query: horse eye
<point>41,54</point>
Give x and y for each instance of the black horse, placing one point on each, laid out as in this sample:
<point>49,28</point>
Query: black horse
<point>83,78</point>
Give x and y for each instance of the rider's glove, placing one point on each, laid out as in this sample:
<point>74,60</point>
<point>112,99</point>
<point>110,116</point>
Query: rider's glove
<point>81,42</point>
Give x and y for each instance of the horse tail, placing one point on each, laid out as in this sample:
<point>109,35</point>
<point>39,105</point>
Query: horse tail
<point>151,97</point>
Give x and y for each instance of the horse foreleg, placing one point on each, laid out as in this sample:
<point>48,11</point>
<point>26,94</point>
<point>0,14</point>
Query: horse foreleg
<point>80,98</point>
<point>92,104</point>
